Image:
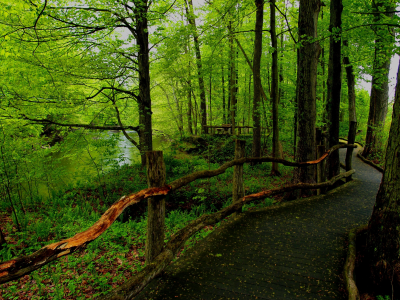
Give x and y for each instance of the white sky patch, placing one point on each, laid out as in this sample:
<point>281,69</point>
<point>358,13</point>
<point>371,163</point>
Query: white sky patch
<point>366,82</point>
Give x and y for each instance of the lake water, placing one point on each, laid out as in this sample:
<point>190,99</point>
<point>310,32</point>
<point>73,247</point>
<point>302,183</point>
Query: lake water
<point>86,163</point>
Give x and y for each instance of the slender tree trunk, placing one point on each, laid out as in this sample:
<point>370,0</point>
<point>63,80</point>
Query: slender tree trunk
<point>306,89</point>
<point>179,110</point>
<point>281,91</point>
<point>380,85</point>
<point>172,110</point>
<point>274,90</point>
<point>196,112</point>
<point>232,81</point>
<point>334,86</point>
<point>223,94</point>
<point>2,239</point>
<point>351,82</point>
<point>189,96</point>
<point>384,226</point>
<point>192,22</point>
<point>144,100</point>
<point>256,149</point>
<point>249,110</point>
<point>210,120</point>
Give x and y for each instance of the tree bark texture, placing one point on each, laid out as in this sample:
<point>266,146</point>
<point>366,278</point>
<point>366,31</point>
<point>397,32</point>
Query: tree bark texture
<point>350,139</point>
<point>232,80</point>
<point>238,184</point>
<point>274,90</point>
<point>2,239</point>
<point>351,82</point>
<point>256,149</point>
<point>156,205</point>
<point>334,85</point>
<point>144,100</point>
<point>192,22</point>
<point>223,94</point>
<point>306,88</point>
<point>380,84</point>
<point>384,225</point>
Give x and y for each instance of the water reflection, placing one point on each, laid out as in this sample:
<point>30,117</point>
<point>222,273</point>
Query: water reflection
<point>86,163</point>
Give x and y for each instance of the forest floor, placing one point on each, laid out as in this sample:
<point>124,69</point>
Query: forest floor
<point>119,254</point>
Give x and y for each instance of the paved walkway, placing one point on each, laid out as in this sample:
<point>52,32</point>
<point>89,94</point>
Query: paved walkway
<point>293,251</point>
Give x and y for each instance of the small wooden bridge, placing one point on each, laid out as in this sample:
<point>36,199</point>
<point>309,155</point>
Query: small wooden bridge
<point>291,251</point>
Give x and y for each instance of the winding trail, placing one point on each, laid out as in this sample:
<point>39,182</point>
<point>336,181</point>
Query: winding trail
<point>289,251</point>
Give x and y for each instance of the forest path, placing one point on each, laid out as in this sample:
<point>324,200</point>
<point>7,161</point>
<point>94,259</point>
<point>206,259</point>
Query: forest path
<point>292,251</point>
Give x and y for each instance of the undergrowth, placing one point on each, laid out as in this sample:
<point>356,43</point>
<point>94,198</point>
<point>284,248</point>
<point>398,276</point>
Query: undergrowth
<point>117,254</point>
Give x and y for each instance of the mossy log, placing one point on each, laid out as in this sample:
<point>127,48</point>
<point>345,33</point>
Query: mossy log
<point>369,162</point>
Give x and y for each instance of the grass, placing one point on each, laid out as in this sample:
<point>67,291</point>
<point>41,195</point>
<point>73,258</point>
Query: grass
<point>118,254</point>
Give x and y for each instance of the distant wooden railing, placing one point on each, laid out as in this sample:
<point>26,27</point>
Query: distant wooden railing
<point>227,129</point>
<point>161,256</point>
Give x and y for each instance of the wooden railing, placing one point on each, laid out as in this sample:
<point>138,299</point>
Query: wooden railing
<point>162,255</point>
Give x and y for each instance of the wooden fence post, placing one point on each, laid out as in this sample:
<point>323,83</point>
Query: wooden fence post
<point>349,154</point>
<point>238,186</point>
<point>320,168</point>
<point>156,205</point>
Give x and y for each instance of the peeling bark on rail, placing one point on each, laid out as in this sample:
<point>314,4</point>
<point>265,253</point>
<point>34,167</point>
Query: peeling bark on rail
<point>21,266</point>
<point>211,173</point>
<point>133,286</point>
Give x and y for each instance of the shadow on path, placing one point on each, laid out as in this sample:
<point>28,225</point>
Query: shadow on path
<point>292,251</point>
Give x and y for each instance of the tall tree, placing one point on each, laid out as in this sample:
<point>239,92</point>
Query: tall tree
<point>256,149</point>
<point>232,79</point>
<point>274,89</point>
<point>334,85</point>
<point>384,225</point>
<point>91,28</point>
<point>380,86</point>
<point>192,21</point>
<point>308,54</point>
<point>144,99</point>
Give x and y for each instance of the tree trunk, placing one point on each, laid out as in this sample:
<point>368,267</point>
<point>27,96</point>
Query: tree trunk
<point>210,119</point>
<point>2,239</point>
<point>334,86</point>
<point>189,96</point>
<point>384,225</point>
<point>223,94</point>
<point>351,82</point>
<point>144,100</point>
<point>380,85</point>
<point>256,149</point>
<point>156,205</point>
<point>274,90</point>
<point>306,89</point>
<point>232,80</point>
<point>179,110</point>
<point>237,182</point>
<point>192,22</point>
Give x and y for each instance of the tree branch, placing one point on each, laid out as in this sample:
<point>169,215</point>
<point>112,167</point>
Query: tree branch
<point>87,126</point>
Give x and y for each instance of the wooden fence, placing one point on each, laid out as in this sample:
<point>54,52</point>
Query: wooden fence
<point>158,254</point>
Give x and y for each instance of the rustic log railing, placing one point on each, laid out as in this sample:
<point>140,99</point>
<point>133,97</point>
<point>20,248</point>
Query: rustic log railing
<point>20,266</point>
